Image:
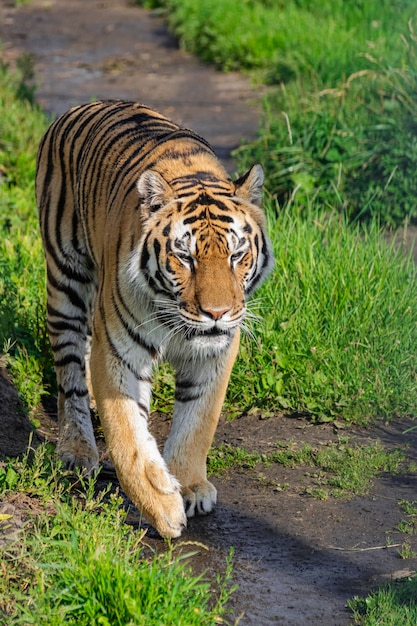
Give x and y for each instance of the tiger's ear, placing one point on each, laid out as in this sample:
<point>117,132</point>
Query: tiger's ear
<point>249,186</point>
<point>153,190</point>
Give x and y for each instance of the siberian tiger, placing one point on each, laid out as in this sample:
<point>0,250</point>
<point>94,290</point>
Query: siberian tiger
<point>151,250</point>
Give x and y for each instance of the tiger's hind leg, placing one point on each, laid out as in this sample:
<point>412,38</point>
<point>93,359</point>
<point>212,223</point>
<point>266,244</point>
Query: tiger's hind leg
<point>68,318</point>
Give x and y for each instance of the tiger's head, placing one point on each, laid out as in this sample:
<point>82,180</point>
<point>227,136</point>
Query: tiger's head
<point>203,250</point>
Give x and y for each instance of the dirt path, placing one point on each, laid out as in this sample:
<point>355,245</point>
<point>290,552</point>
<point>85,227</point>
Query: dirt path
<point>93,49</point>
<point>298,560</point>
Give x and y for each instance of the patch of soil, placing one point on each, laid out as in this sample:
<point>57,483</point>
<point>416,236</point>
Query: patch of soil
<point>297,559</point>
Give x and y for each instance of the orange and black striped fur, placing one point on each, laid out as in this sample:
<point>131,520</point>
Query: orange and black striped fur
<point>151,250</point>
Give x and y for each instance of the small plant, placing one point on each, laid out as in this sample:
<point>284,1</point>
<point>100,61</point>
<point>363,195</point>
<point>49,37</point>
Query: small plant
<point>264,481</point>
<point>318,493</point>
<point>406,551</point>
<point>410,508</point>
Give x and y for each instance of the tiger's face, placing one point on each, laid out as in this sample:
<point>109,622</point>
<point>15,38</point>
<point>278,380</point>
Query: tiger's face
<point>201,257</point>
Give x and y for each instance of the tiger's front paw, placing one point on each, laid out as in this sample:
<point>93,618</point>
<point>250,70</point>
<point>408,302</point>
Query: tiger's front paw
<point>158,495</point>
<point>168,517</point>
<point>199,499</point>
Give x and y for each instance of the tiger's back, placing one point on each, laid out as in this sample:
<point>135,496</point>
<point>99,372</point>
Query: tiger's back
<point>93,154</point>
<point>151,249</point>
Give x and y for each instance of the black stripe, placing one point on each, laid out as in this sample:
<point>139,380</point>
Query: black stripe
<point>64,344</point>
<point>143,408</point>
<point>221,218</point>
<point>145,254</point>
<point>184,397</point>
<point>135,337</point>
<point>74,318</point>
<point>61,326</point>
<point>255,280</point>
<point>67,359</point>
<point>195,218</point>
<point>72,295</point>
<point>153,285</point>
<point>116,353</point>
<point>73,391</point>
<point>157,248</point>
<point>188,391</point>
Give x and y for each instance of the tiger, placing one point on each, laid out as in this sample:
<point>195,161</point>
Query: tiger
<point>151,252</point>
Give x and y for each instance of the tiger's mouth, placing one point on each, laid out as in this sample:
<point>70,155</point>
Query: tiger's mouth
<point>210,332</point>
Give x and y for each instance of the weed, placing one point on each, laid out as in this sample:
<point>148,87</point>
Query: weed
<point>410,508</point>
<point>318,493</point>
<point>264,481</point>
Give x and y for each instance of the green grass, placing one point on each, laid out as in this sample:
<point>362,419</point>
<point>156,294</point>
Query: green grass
<point>81,564</point>
<point>392,605</point>
<point>351,149</point>
<point>340,127</point>
<point>288,38</point>
<point>340,470</point>
<point>22,292</point>
<point>338,330</point>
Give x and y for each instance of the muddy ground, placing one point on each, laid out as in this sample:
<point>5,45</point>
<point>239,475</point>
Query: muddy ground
<point>297,559</point>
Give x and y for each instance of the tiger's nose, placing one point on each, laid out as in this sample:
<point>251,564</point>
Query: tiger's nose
<point>215,314</point>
